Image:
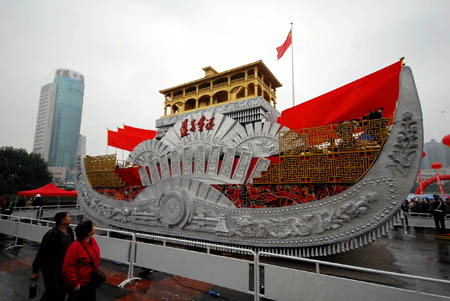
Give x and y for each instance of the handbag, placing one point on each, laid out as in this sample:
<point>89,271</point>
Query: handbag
<point>97,275</point>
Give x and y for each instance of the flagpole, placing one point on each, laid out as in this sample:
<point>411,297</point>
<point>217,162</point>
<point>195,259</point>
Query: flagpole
<point>292,52</point>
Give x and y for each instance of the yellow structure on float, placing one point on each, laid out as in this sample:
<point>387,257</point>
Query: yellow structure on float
<point>216,88</point>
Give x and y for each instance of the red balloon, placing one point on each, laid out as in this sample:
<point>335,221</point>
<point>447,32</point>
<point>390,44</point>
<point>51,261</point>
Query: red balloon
<point>436,165</point>
<point>446,140</point>
<point>424,154</point>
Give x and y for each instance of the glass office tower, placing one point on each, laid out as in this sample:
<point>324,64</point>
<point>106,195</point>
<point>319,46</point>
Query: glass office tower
<point>44,122</point>
<point>66,118</point>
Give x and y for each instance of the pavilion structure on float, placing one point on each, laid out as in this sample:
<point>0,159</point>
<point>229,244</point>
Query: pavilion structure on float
<point>216,88</point>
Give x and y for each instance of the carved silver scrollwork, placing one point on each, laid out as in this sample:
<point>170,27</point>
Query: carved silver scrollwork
<point>405,148</point>
<point>305,224</point>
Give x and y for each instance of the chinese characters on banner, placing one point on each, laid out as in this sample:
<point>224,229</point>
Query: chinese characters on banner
<point>203,122</point>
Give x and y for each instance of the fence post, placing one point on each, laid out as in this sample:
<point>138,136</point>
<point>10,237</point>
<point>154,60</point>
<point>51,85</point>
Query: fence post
<point>256,276</point>
<point>15,245</point>
<point>132,255</point>
<point>131,260</point>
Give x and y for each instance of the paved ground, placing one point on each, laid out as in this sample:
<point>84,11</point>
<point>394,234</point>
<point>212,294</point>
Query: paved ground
<point>417,253</point>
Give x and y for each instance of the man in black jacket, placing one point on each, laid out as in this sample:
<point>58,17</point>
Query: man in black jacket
<point>438,210</point>
<point>50,257</point>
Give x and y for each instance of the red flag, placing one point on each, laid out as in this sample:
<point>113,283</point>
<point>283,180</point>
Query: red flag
<point>123,140</point>
<point>282,49</point>
<point>113,139</point>
<point>129,137</point>
<point>149,134</point>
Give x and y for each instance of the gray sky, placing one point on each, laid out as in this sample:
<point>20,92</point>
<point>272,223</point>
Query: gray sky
<point>129,50</point>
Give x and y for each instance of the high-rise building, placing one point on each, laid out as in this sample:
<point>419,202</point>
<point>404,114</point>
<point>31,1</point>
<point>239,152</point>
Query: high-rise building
<point>43,133</point>
<point>59,119</point>
<point>81,151</point>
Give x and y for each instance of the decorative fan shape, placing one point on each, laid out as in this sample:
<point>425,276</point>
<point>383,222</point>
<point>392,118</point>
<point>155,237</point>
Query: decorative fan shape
<point>147,150</point>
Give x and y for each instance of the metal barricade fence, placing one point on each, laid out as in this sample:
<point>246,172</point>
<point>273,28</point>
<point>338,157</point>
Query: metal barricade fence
<point>177,261</point>
<point>38,212</point>
<point>117,250</point>
<point>417,219</point>
<point>424,214</point>
<point>32,212</point>
<point>59,206</point>
<point>252,277</point>
<point>233,273</point>
<point>334,287</point>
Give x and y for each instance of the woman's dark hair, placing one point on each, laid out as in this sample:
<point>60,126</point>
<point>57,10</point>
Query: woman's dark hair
<point>83,229</point>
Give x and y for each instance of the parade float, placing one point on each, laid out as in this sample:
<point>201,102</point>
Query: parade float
<point>224,166</point>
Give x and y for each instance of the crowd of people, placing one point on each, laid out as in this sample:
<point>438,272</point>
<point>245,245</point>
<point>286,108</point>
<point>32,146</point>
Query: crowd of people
<point>7,206</point>
<point>423,204</point>
<point>436,206</point>
<point>345,129</point>
<point>68,263</point>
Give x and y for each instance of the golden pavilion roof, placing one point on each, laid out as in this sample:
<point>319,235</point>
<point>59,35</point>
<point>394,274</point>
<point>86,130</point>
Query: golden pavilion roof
<point>212,74</point>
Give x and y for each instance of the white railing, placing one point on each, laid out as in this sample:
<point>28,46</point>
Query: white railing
<point>201,271</point>
<point>125,250</point>
<point>318,263</point>
<point>417,219</point>
<point>276,282</point>
<point>61,206</point>
<point>424,215</point>
<point>38,211</point>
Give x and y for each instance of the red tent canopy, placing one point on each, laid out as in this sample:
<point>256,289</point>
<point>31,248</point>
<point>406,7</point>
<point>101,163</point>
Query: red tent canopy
<point>48,190</point>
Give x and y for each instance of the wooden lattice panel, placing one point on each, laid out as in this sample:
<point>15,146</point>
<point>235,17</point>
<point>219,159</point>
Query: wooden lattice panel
<point>100,171</point>
<point>340,153</point>
<point>270,176</point>
<point>100,163</point>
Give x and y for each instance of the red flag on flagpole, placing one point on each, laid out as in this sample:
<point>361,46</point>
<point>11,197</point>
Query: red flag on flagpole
<point>282,49</point>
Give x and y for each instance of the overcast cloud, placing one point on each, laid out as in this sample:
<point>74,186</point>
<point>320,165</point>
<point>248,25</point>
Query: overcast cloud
<point>129,50</point>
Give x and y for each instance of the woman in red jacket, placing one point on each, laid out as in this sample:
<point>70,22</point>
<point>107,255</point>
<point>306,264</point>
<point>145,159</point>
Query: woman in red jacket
<point>77,267</point>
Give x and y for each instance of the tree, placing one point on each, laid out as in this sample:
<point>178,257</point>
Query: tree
<point>21,171</point>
